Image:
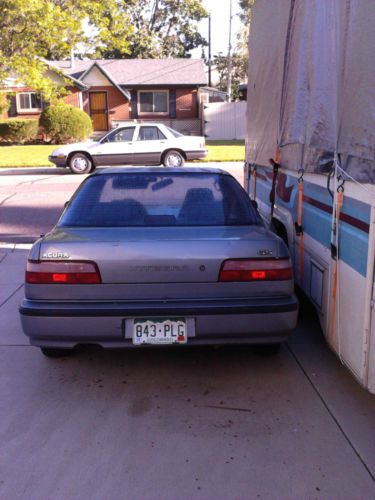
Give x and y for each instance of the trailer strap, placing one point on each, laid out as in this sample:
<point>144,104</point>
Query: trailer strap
<point>254,187</point>
<point>298,225</point>
<point>335,254</point>
<point>275,166</point>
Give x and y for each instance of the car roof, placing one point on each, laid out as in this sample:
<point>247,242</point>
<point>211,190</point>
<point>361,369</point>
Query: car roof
<point>161,170</point>
<point>133,123</point>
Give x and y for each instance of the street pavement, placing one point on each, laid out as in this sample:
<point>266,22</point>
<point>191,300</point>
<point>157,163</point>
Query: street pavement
<point>32,199</point>
<point>171,423</point>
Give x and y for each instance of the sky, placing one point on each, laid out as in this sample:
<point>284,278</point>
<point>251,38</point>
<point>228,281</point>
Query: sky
<point>219,10</point>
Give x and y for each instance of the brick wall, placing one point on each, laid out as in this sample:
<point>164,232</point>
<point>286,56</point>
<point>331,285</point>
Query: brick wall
<point>19,115</point>
<point>118,106</point>
<point>186,103</point>
<point>73,97</point>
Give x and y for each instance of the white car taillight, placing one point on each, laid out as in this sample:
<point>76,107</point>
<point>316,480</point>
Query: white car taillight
<point>63,272</point>
<point>256,270</point>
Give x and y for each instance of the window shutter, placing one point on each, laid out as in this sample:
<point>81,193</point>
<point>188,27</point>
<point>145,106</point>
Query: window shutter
<point>12,110</point>
<point>134,104</point>
<point>172,103</point>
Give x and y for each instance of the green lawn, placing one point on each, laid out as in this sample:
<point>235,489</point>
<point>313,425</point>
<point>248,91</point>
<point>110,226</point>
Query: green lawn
<point>225,151</point>
<point>37,156</point>
<point>25,156</point>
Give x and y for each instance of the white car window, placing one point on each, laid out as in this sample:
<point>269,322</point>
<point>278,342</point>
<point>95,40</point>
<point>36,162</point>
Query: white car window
<point>150,134</point>
<point>124,134</point>
<point>174,132</point>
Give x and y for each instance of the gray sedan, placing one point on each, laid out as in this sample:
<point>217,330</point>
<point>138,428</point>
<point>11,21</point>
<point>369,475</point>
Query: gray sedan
<point>158,256</point>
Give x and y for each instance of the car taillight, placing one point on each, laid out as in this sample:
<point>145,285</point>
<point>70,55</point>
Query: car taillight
<point>256,270</point>
<point>58,272</point>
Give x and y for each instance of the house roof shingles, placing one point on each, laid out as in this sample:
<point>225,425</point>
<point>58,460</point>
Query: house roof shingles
<point>134,72</point>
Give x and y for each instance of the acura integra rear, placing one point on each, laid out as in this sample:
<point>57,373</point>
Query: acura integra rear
<point>158,256</point>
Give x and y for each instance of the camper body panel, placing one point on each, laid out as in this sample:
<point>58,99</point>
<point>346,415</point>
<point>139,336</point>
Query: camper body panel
<point>352,336</point>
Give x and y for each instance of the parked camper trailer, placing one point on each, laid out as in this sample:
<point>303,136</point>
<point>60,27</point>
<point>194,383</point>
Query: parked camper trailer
<point>310,157</point>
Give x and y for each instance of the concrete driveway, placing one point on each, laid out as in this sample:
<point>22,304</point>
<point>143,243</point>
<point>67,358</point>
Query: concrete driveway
<point>189,423</point>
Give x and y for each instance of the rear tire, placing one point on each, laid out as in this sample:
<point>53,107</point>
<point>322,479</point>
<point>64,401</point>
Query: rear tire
<point>173,159</point>
<point>268,349</point>
<point>79,163</point>
<point>52,352</point>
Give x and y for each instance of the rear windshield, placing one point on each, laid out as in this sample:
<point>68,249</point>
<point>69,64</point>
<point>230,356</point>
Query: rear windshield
<point>171,199</point>
<point>174,132</point>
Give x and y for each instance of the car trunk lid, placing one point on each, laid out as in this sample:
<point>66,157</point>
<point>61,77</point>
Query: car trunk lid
<point>160,255</point>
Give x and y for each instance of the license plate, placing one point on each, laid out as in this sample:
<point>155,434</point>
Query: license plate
<point>159,331</point>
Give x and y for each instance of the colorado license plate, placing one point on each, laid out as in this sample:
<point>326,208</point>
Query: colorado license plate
<point>159,331</point>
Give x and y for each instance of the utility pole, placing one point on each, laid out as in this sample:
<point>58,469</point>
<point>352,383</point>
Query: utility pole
<point>229,61</point>
<point>209,51</point>
<point>72,57</point>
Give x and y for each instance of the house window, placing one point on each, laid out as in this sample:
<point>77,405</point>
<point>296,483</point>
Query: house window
<point>28,102</point>
<point>153,102</point>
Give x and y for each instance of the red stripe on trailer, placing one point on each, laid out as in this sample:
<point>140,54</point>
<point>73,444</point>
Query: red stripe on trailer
<point>352,221</point>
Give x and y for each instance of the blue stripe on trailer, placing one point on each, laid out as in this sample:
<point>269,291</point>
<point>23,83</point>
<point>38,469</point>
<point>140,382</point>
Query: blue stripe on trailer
<point>317,216</point>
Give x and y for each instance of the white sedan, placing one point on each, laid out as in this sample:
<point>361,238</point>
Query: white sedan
<point>133,144</point>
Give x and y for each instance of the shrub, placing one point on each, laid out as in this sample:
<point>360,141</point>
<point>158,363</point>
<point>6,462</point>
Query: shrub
<point>18,131</point>
<point>65,123</point>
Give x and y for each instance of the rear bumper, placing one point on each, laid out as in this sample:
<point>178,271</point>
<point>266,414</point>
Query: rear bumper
<point>59,162</point>
<point>106,324</point>
<point>196,155</point>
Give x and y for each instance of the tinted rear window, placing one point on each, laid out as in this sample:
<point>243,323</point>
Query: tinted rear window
<point>174,132</point>
<point>150,134</point>
<point>145,200</point>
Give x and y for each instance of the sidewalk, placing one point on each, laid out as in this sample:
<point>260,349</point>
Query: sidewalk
<point>181,424</point>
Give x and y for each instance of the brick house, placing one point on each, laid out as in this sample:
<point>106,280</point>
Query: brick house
<point>119,90</point>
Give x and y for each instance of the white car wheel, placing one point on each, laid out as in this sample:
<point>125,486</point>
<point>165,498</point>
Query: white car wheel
<point>80,164</point>
<point>173,159</point>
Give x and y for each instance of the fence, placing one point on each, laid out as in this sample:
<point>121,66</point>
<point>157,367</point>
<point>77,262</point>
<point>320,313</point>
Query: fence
<point>224,120</point>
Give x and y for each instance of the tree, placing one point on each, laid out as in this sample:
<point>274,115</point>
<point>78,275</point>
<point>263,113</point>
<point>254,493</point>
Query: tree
<point>243,34</point>
<point>240,56</point>
<point>245,13</point>
<point>239,72</point>
<point>161,28</point>
<point>33,30</point>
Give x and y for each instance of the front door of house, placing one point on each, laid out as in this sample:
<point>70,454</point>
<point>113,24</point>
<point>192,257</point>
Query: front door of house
<point>99,110</point>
